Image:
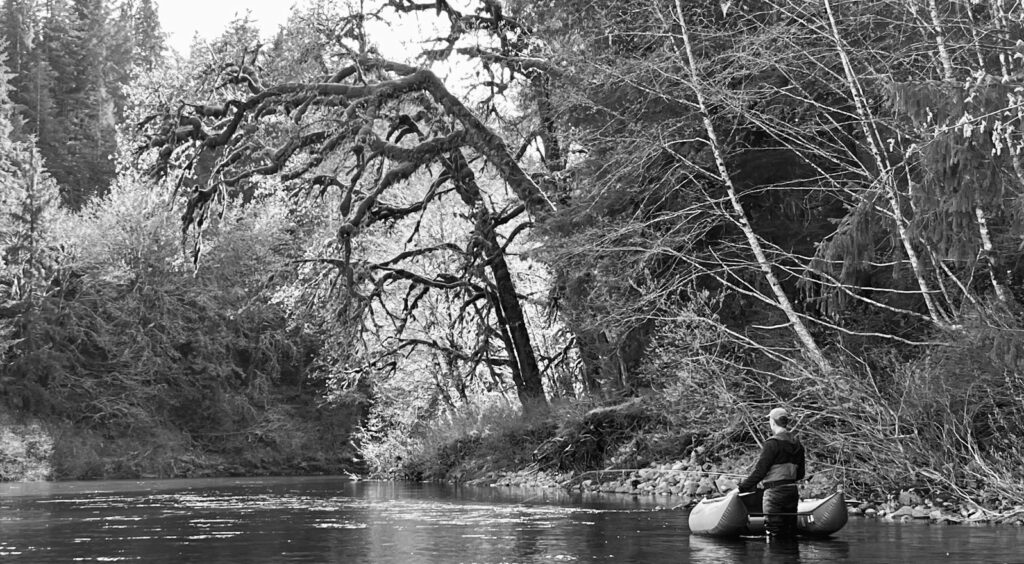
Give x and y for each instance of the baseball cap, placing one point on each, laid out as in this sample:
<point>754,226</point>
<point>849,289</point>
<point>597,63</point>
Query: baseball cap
<point>779,415</point>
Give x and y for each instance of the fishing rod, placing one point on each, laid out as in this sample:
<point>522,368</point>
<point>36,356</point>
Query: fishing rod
<point>696,472</point>
<point>681,470</point>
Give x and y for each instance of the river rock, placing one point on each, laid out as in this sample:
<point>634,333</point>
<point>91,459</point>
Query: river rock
<point>725,483</point>
<point>706,486</point>
<point>909,498</point>
<point>920,513</point>
<point>679,466</point>
<point>905,510</point>
<point>691,487</point>
<point>870,512</point>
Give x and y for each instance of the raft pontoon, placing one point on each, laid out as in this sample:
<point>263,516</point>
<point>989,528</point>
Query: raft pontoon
<point>740,514</point>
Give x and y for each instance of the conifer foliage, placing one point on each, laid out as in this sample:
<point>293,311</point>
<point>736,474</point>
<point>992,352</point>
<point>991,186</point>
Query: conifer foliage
<point>71,60</point>
<point>28,202</point>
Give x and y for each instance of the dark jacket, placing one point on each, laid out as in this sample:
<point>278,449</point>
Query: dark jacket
<point>782,458</point>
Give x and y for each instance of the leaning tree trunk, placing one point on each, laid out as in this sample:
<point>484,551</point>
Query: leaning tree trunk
<point>885,176</point>
<point>781,299</point>
<point>508,308</point>
<point>988,253</point>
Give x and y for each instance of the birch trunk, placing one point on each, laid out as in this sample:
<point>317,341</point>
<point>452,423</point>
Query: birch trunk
<point>979,213</point>
<point>781,299</point>
<point>884,171</point>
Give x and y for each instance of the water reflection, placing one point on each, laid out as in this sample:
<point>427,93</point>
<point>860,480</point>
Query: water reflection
<point>334,520</point>
<point>757,549</point>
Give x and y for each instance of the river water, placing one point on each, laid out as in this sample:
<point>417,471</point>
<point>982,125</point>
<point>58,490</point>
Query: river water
<point>337,520</point>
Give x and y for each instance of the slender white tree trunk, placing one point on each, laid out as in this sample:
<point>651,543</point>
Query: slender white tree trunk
<point>740,215</point>
<point>885,177</point>
<point>979,213</point>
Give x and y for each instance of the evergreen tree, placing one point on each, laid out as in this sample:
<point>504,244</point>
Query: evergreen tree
<point>79,42</point>
<point>27,201</point>
<point>120,57</point>
<point>147,36</point>
<point>72,60</point>
<point>19,31</point>
<point>6,146</point>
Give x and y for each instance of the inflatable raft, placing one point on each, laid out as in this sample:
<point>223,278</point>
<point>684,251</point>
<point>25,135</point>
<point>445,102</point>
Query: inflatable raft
<point>739,514</point>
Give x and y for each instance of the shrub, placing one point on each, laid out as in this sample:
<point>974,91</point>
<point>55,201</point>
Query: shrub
<point>25,451</point>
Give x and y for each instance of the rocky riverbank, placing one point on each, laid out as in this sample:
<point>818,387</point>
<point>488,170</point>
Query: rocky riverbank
<point>683,483</point>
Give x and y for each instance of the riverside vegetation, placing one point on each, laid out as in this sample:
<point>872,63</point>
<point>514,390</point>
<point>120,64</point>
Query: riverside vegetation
<point>592,242</point>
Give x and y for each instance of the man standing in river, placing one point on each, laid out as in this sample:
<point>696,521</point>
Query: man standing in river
<point>780,466</point>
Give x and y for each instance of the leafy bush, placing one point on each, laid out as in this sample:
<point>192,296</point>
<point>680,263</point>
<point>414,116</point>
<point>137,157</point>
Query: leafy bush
<point>135,342</point>
<point>25,451</point>
<point>490,437</point>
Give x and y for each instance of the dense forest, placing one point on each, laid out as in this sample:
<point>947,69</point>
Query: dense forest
<point>559,234</point>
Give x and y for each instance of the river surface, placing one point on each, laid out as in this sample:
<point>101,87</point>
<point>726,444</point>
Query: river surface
<point>337,520</point>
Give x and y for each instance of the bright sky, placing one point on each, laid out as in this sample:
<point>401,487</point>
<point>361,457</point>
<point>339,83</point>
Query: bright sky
<point>182,19</point>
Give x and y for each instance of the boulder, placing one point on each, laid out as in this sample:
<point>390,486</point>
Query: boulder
<point>906,510</point>
<point>909,497</point>
<point>920,513</point>
<point>706,486</point>
<point>725,484</point>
